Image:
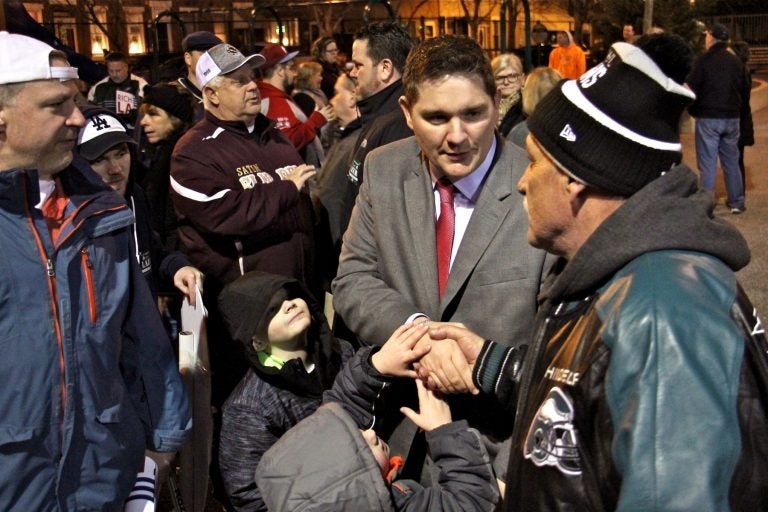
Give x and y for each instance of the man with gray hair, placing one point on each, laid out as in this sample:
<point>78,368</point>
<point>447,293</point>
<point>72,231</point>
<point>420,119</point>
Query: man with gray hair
<point>238,186</point>
<point>89,381</point>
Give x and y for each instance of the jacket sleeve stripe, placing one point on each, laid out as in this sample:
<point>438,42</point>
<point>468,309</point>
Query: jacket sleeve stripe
<point>193,195</point>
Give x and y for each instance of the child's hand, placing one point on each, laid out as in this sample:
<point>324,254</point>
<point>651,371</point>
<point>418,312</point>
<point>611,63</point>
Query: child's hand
<point>433,410</point>
<point>398,353</point>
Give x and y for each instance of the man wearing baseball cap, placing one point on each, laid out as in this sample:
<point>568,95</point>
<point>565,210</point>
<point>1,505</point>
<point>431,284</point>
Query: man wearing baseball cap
<point>238,186</point>
<point>277,76</point>
<point>105,143</point>
<point>194,46</point>
<point>639,389</point>
<point>89,381</point>
<point>717,78</point>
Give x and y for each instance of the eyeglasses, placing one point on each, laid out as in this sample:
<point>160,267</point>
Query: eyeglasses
<point>514,77</point>
<point>331,50</point>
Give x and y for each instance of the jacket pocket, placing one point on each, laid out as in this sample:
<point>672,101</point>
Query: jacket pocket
<point>10,436</point>
<point>85,258</point>
<point>500,275</point>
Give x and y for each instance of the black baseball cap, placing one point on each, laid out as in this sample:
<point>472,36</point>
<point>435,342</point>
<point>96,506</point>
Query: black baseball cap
<point>200,41</point>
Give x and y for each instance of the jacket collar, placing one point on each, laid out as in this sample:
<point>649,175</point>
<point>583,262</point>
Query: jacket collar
<point>79,181</point>
<point>261,127</point>
<point>88,196</point>
<point>192,88</point>
<point>382,102</point>
<point>267,90</point>
<point>717,46</point>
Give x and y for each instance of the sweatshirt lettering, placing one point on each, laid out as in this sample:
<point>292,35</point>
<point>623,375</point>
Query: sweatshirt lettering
<point>248,169</point>
<point>563,375</point>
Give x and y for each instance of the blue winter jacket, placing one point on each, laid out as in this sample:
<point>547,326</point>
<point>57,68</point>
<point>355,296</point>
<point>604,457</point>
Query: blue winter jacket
<point>87,375</point>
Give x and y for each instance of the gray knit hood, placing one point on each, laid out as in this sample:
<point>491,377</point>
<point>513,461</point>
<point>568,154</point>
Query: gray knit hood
<point>341,473</point>
<point>668,213</point>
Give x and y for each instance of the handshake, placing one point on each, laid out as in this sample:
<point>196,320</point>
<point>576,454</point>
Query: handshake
<point>440,354</point>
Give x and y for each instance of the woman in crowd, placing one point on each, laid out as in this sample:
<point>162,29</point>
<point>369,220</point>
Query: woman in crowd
<point>167,112</point>
<point>508,72</point>
<point>328,196</point>
<point>538,83</point>
<point>347,118</point>
<point>326,51</point>
<point>306,87</point>
<point>166,115</point>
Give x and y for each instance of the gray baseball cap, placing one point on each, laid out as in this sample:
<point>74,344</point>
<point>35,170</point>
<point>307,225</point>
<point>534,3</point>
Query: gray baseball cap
<point>223,59</point>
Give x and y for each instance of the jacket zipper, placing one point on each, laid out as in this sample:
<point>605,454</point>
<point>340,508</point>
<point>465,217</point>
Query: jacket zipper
<point>88,273</point>
<point>525,384</point>
<point>50,270</point>
<point>383,386</point>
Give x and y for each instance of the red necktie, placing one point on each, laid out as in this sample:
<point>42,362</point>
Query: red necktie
<point>444,230</point>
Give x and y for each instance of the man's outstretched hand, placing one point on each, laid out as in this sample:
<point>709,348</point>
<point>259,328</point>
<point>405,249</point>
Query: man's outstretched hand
<point>448,366</point>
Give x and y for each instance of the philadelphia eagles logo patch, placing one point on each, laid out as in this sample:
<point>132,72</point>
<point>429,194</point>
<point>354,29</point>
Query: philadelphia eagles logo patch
<point>552,439</point>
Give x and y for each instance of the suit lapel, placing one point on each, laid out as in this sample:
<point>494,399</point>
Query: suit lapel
<point>420,211</point>
<point>493,207</point>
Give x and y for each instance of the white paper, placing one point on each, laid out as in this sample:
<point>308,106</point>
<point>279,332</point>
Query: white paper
<point>187,354</point>
<point>192,325</point>
<point>195,455</point>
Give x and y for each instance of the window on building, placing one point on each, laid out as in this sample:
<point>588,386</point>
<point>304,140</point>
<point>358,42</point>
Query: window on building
<point>134,18</point>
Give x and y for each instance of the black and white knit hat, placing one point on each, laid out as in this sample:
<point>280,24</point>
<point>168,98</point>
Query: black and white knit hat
<point>616,126</point>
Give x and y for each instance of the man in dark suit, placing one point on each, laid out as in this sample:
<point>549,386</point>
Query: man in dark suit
<point>489,276</point>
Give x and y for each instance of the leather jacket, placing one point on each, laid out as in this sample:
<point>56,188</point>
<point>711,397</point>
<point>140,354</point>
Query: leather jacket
<point>639,390</point>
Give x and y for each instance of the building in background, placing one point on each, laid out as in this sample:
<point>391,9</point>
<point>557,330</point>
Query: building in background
<point>138,27</point>
<point>97,27</point>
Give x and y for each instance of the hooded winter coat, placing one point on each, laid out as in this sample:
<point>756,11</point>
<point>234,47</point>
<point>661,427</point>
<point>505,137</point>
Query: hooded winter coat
<point>324,463</point>
<point>88,380</point>
<point>637,392</point>
<point>269,401</point>
<point>717,78</point>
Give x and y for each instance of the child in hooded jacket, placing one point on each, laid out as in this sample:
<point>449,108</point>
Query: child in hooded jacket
<point>333,460</point>
<point>293,358</point>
